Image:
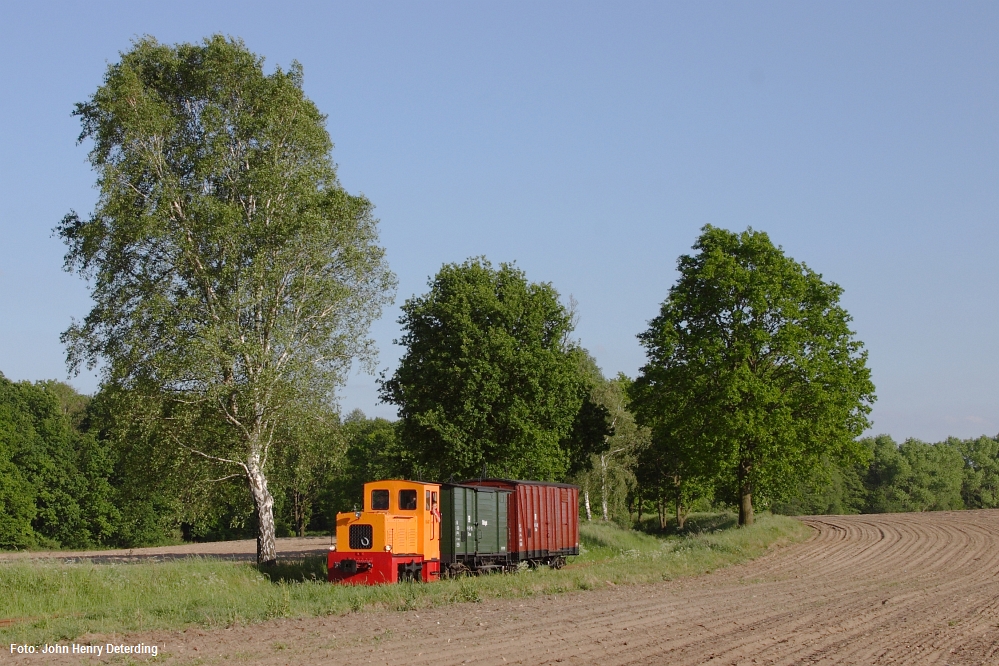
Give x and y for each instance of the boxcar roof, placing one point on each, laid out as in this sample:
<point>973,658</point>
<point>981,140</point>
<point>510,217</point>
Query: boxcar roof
<point>467,484</point>
<point>519,482</point>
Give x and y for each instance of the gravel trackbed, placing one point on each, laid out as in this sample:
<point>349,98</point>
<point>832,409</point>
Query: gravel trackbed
<point>244,550</point>
<point>884,589</point>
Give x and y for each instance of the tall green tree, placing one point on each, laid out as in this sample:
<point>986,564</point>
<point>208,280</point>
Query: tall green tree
<point>232,275</point>
<point>489,375</point>
<point>753,366</point>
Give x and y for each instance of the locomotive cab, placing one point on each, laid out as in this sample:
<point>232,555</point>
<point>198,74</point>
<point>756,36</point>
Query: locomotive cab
<point>395,537</point>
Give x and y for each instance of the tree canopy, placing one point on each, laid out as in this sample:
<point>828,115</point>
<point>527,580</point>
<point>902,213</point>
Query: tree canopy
<point>54,488</point>
<point>234,279</point>
<point>752,369</point>
<point>489,375</point>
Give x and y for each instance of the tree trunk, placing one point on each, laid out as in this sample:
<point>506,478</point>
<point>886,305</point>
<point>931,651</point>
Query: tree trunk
<point>295,516</point>
<point>640,502</point>
<point>266,543</point>
<point>586,498</point>
<point>661,510</point>
<point>301,511</point>
<point>681,515</point>
<point>745,496</point>
<point>603,483</point>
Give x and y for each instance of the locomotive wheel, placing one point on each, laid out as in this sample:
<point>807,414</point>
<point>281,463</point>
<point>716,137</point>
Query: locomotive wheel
<point>410,572</point>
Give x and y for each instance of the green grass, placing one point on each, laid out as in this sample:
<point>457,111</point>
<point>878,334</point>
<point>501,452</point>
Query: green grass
<point>50,601</point>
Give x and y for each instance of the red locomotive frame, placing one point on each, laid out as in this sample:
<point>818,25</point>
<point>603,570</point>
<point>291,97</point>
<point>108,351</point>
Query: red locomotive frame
<point>377,568</point>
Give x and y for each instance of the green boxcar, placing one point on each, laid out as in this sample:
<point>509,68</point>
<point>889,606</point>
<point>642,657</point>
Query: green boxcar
<point>474,528</point>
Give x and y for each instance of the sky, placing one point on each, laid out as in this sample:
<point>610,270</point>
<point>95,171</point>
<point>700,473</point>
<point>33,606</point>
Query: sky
<point>589,143</point>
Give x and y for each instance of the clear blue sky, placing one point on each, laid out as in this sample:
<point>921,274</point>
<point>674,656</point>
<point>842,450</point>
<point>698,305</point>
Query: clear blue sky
<point>589,142</point>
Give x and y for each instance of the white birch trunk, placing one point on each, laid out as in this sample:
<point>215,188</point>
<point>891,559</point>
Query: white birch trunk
<point>603,483</point>
<point>262,499</point>
<point>586,498</point>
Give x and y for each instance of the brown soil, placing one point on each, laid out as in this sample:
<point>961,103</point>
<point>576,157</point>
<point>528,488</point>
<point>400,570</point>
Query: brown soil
<point>911,588</point>
<point>245,549</point>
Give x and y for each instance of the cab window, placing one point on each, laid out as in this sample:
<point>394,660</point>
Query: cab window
<point>407,500</point>
<point>379,500</point>
<point>427,507</point>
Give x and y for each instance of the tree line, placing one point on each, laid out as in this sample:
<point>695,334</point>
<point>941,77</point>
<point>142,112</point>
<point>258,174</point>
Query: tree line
<point>234,283</point>
<point>68,481</point>
<point>914,476</point>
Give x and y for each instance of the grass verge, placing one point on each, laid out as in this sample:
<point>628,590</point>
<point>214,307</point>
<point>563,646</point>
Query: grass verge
<point>49,601</point>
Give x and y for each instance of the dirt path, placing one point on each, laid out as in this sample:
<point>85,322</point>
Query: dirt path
<point>245,549</point>
<point>898,589</point>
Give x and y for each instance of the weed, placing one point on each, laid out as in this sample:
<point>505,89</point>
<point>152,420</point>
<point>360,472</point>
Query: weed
<point>279,606</point>
<point>411,598</point>
<point>467,591</point>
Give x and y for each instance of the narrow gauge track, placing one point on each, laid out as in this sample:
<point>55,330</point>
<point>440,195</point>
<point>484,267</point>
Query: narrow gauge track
<point>884,589</point>
<point>244,550</point>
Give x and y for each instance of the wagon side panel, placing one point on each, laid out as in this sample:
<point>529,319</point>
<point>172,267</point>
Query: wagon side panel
<point>542,519</point>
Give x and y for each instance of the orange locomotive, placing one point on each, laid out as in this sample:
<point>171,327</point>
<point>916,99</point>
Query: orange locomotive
<point>395,537</point>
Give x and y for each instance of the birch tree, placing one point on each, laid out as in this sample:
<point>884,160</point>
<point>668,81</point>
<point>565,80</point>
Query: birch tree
<point>616,462</point>
<point>591,428</point>
<point>231,273</point>
<point>610,469</point>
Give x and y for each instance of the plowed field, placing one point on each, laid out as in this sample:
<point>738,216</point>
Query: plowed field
<point>899,589</point>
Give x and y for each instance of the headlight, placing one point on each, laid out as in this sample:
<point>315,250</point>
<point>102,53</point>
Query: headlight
<point>388,549</point>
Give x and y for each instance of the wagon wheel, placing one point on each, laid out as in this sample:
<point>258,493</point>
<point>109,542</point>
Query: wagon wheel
<point>558,562</point>
<point>458,570</point>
